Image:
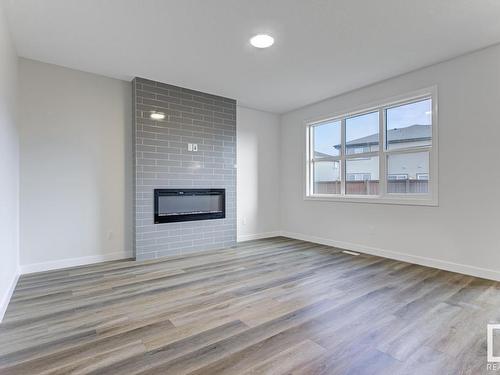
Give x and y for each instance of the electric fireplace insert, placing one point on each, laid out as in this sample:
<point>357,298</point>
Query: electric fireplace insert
<point>174,205</point>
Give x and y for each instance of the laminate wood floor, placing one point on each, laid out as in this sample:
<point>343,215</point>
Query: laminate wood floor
<point>271,306</point>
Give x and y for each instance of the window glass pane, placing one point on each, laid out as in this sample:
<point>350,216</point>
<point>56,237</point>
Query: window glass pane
<point>361,133</point>
<point>413,165</point>
<point>326,140</point>
<point>362,176</point>
<point>409,125</point>
<point>326,177</point>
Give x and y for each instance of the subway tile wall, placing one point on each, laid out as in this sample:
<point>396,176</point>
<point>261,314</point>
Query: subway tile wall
<point>162,160</point>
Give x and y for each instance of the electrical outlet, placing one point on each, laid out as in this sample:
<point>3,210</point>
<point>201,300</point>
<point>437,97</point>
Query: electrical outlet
<point>195,147</point>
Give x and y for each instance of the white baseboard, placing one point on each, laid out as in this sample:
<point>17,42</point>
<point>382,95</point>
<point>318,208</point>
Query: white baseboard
<point>7,296</point>
<point>423,261</point>
<point>73,262</point>
<point>257,236</point>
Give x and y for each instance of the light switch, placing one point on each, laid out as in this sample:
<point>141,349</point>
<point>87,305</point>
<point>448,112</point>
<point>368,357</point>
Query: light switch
<point>190,147</point>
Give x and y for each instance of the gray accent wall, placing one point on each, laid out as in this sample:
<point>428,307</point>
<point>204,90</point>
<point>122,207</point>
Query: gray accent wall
<point>162,160</point>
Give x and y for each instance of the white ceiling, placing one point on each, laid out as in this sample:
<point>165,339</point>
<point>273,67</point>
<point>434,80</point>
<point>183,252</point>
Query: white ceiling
<point>323,48</point>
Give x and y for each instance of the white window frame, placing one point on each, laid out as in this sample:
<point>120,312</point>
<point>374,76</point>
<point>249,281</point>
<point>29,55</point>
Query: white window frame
<point>424,199</point>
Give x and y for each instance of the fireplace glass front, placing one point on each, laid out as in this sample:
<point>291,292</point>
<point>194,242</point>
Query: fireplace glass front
<point>174,205</point>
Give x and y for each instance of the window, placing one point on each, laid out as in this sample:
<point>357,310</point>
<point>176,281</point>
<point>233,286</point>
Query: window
<point>387,153</point>
<point>361,133</point>
<point>414,164</point>
<point>423,176</point>
<point>365,167</point>
<point>397,177</point>
<point>358,176</point>
<point>326,158</point>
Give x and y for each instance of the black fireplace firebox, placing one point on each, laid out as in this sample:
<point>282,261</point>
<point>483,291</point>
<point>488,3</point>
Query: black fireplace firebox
<point>174,205</point>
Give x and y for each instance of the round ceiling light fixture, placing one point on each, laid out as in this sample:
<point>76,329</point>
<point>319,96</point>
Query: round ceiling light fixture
<point>157,115</point>
<point>262,41</point>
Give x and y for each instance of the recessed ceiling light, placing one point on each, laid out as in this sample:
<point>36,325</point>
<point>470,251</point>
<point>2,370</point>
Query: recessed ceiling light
<point>157,115</point>
<point>262,41</point>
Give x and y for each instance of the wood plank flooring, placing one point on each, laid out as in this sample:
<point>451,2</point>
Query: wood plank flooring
<point>270,306</point>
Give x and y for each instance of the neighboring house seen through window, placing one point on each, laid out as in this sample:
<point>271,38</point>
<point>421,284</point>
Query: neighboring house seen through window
<point>397,177</point>
<point>386,153</point>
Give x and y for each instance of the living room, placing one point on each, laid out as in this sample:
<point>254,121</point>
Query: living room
<point>249,187</point>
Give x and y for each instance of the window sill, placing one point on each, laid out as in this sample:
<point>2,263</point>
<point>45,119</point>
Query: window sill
<point>388,199</point>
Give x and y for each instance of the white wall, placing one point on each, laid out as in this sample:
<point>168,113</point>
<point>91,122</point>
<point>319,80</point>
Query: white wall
<point>76,167</point>
<point>462,233</point>
<point>9,167</point>
<point>258,173</point>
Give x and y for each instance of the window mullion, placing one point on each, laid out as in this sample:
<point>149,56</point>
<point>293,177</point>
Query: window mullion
<point>342,157</point>
<point>382,178</point>
<point>310,156</point>
<point>409,150</point>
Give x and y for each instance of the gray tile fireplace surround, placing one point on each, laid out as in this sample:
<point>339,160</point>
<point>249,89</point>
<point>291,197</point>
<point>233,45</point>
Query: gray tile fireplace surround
<point>162,160</point>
